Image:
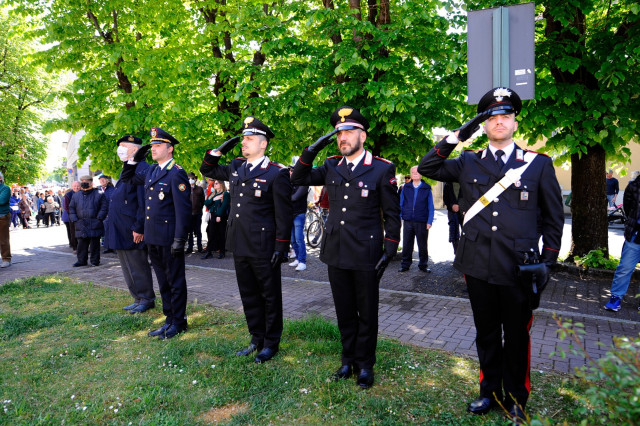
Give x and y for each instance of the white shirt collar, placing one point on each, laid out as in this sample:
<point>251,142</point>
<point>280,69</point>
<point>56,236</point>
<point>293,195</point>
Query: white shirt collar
<point>415,186</point>
<point>163,165</point>
<point>508,150</point>
<point>357,160</point>
<point>256,163</point>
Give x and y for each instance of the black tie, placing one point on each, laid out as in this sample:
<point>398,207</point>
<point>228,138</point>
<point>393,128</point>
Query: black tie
<point>249,165</point>
<point>499,154</point>
<point>155,172</point>
<point>350,167</point>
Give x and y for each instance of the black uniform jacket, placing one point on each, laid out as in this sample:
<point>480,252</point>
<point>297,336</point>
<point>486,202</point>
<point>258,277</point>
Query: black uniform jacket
<point>126,214</point>
<point>261,216</point>
<point>494,242</point>
<point>353,237</point>
<point>167,201</point>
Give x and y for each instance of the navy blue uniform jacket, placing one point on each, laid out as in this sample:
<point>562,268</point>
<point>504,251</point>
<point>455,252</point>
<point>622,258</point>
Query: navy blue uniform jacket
<point>494,242</point>
<point>261,215</point>
<point>87,210</point>
<point>353,236</point>
<point>167,201</point>
<point>126,214</point>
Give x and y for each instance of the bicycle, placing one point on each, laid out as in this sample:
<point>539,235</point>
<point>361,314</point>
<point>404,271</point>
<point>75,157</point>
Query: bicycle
<point>314,225</point>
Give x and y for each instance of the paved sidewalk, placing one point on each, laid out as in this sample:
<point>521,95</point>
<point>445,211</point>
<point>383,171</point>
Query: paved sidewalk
<point>425,320</point>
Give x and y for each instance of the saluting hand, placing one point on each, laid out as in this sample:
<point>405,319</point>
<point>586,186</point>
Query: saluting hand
<point>323,141</point>
<point>141,153</point>
<point>228,145</point>
<point>471,126</point>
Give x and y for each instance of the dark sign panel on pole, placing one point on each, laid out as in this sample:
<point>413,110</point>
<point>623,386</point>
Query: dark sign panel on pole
<point>501,50</point>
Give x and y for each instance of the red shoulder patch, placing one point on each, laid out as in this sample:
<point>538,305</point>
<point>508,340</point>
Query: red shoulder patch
<point>335,156</point>
<point>241,159</point>
<point>540,153</point>
<point>383,159</point>
<point>393,181</point>
<point>277,164</point>
<point>469,149</point>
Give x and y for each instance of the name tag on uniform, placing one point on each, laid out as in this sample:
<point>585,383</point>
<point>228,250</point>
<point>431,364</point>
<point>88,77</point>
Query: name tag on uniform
<point>258,193</point>
<point>365,193</point>
<point>524,196</point>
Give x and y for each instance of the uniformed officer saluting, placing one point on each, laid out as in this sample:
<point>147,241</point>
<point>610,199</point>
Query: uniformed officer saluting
<point>168,220</point>
<point>359,186</point>
<point>500,233</point>
<point>258,231</point>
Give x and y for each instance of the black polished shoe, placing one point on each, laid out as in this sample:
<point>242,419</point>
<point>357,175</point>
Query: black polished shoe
<point>159,331</point>
<point>108,251</point>
<point>207,256</point>
<point>516,415</point>
<point>221,255</point>
<point>172,331</point>
<point>481,405</point>
<point>75,265</point>
<point>343,372</point>
<point>248,350</point>
<point>95,264</point>
<point>266,354</point>
<point>425,269</point>
<point>142,308</point>
<point>403,269</point>
<point>365,378</point>
<point>131,306</point>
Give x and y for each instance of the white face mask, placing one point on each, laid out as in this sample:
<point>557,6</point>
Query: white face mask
<point>191,181</point>
<point>122,153</point>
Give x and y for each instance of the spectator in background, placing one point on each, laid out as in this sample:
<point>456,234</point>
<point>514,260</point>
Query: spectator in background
<point>88,209</point>
<point>218,203</point>
<point>407,179</point>
<point>5,223</point>
<point>450,195</point>
<point>15,210</point>
<point>197,203</point>
<point>25,211</point>
<point>107,188</point>
<point>299,203</point>
<point>631,248</point>
<point>73,242</point>
<point>416,212</point>
<point>39,202</point>
<point>613,187</point>
<point>50,208</point>
<point>65,213</point>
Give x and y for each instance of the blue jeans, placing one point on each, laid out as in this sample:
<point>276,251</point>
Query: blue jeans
<point>630,257</point>
<point>610,200</point>
<point>297,238</point>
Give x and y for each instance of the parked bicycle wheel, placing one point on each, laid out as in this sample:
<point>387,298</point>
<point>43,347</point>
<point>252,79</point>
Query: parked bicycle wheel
<point>314,233</point>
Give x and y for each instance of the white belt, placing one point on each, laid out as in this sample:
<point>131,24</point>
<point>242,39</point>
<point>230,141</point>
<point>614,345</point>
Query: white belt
<point>511,177</point>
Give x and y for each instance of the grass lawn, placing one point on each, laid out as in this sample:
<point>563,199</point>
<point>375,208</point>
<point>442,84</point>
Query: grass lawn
<point>70,355</point>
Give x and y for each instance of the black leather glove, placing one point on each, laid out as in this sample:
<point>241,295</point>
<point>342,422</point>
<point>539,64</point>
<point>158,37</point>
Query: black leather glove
<point>277,259</point>
<point>471,126</point>
<point>323,141</point>
<point>228,145</point>
<point>141,153</point>
<point>177,248</point>
<point>382,264</point>
<point>534,277</point>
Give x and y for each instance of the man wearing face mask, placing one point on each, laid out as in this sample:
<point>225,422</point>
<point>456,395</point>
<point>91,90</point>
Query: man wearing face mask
<point>258,231</point>
<point>197,204</point>
<point>124,230</point>
<point>167,223</point>
<point>87,210</point>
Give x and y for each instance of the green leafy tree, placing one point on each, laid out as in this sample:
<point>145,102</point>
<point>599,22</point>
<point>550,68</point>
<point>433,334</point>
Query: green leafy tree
<point>25,94</point>
<point>586,105</point>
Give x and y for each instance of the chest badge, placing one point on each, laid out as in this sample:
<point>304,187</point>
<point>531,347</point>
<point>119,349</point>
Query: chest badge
<point>360,184</point>
<point>255,184</point>
<point>365,193</point>
<point>258,193</point>
<point>524,196</point>
<point>161,196</point>
<point>517,184</point>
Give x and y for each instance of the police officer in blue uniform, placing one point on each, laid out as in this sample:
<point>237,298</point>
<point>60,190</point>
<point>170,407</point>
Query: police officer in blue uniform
<point>258,231</point>
<point>124,232</point>
<point>355,246</point>
<point>510,194</point>
<point>167,223</point>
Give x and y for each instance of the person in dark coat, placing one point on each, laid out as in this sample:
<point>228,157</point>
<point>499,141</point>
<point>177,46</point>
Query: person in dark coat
<point>258,231</point>
<point>197,204</point>
<point>71,227</point>
<point>358,243</point>
<point>450,196</point>
<point>124,233</point>
<point>167,201</point>
<point>87,210</point>
<point>107,188</point>
<point>499,234</point>
<point>25,211</point>
<point>217,203</point>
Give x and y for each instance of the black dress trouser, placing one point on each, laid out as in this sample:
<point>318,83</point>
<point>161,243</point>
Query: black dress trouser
<point>501,309</point>
<point>86,245</point>
<point>260,288</point>
<point>216,234</point>
<point>355,295</point>
<point>170,272</point>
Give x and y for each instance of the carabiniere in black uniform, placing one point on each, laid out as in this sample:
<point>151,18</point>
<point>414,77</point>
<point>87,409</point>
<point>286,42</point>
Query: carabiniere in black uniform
<point>258,234</point>
<point>167,223</point>
<point>498,241</point>
<point>354,245</point>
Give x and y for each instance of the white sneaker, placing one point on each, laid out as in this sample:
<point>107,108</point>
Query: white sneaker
<point>292,254</point>
<point>294,263</point>
<point>301,266</point>
<point>5,264</point>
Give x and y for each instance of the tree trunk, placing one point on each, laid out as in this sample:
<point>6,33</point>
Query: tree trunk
<point>589,228</point>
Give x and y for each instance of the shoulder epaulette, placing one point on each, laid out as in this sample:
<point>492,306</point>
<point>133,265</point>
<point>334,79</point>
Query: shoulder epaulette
<point>335,156</point>
<point>277,164</point>
<point>541,153</point>
<point>382,159</point>
<point>469,149</point>
<point>241,159</point>
<point>178,166</point>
